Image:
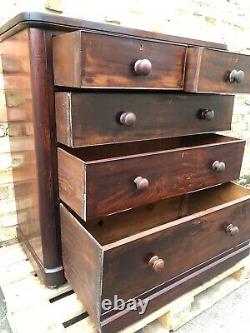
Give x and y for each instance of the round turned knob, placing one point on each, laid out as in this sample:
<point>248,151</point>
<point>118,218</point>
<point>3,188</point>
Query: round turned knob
<point>156,264</point>
<point>142,67</point>
<point>232,230</point>
<point>207,114</point>
<point>128,119</point>
<point>218,166</point>
<point>141,183</point>
<point>236,76</point>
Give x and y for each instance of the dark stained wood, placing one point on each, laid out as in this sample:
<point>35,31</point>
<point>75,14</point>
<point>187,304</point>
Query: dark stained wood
<point>45,152</point>
<point>83,266</point>
<point>113,228</point>
<point>16,68</point>
<point>27,78</point>
<point>172,291</point>
<point>123,159</point>
<point>171,166</point>
<point>107,61</point>
<point>62,23</point>
<point>71,177</point>
<point>196,240</point>
<point>209,71</point>
<point>90,118</point>
<point>181,244</point>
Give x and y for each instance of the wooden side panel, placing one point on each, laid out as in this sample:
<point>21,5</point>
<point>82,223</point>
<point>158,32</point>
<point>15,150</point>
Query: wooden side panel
<point>64,118</point>
<point>15,53</point>
<point>182,244</point>
<point>107,61</point>
<point>82,260</point>
<point>90,118</point>
<point>67,59</point>
<point>110,184</point>
<point>71,178</point>
<point>209,70</point>
<point>30,104</point>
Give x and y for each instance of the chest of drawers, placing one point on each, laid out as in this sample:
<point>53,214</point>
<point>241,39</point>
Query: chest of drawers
<point>122,185</point>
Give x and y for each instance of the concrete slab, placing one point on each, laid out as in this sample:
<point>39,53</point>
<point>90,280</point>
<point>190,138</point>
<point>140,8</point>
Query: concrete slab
<point>4,325</point>
<point>230,315</point>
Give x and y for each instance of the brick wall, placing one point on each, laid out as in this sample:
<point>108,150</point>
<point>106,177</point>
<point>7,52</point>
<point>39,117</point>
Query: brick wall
<point>216,20</point>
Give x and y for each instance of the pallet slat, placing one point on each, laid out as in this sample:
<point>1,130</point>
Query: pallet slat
<point>34,308</point>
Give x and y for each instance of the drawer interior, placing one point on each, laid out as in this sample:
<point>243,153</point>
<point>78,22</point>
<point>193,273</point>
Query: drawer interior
<point>95,153</point>
<point>129,223</point>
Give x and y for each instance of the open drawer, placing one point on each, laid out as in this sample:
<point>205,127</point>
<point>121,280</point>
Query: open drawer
<point>98,181</point>
<point>217,71</point>
<point>84,59</point>
<point>163,243</point>
<point>90,118</point>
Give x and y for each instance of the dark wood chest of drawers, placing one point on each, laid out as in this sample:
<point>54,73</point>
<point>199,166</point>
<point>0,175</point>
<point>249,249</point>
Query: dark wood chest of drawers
<point>127,187</point>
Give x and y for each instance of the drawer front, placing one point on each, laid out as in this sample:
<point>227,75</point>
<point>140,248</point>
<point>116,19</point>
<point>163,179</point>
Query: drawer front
<point>176,248</point>
<point>217,71</point>
<point>105,61</point>
<point>102,117</point>
<point>113,186</point>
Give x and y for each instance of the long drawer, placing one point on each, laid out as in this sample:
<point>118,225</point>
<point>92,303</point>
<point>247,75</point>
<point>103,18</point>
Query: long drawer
<point>99,60</point>
<point>217,71</point>
<point>98,181</point>
<point>89,118</point>
<point>94,60</point>
<point>191,232</point>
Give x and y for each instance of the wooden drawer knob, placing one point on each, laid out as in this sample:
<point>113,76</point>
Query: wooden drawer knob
<point>232,230</point>
<point>207,114</point>
<point>141,183</point>
<point>236,76</point>
<point>142,67</point>
<point>128,119</point>
<point>218,166</point>
<point>156,264</point>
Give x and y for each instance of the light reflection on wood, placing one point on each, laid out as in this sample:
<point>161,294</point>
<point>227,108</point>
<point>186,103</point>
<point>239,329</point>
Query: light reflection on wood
<point>17,84</point>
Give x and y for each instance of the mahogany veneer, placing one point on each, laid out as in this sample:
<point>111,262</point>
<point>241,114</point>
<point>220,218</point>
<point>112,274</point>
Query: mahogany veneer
<point>193,235</point>
<point>98,181</point>
<point>84,120</point>
<point>113,153</point>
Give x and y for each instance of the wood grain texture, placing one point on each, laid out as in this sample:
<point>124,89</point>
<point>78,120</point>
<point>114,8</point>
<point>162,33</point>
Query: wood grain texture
<point>29,92</point>
<point>82,260</point>
<point>208,71</point>
<point>90,118</point>
<point>71,178</point>
<point>115,227</point>
<point>181,244</point>
<point>16,68</point>
<point>170,292</point>
<point>106,61</point>
<point>172,167</point>
<point>189,245</point>
<point>62,23</point>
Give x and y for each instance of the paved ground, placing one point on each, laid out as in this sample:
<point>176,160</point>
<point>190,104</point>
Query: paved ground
<point>231,315</point>
<point>4,326</point>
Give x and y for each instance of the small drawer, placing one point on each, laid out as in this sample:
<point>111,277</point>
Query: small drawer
<point>217,71</point>
<point>98,181</point>
<point>96,60</point>
<point>167,244</point>
<point>90,118</point>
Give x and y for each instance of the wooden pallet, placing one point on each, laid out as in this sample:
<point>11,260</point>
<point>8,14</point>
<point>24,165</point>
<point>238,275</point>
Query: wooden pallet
<point>31,307</point>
